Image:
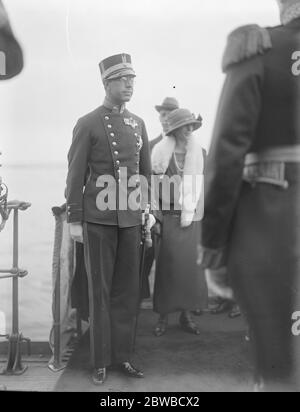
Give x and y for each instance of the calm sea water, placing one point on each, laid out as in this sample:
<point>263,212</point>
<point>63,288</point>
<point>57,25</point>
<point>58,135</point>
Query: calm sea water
<point>43,186</point>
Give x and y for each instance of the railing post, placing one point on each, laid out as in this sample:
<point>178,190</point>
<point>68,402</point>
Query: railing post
<point>14,362</point>
<point>15,300</point>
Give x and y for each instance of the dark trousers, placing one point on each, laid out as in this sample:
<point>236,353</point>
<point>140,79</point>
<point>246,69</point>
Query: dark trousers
<point>265,302</point>
<point>264,265</point>
<point>112,262</point>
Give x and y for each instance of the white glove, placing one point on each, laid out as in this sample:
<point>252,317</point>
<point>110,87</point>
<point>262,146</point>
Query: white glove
<point>76,232</point>
<point>151,221</point>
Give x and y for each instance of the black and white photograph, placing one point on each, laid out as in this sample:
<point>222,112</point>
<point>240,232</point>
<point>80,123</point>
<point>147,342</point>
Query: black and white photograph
<point>149,198</point>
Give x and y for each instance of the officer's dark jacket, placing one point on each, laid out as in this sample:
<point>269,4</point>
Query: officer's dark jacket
<point>259,109</point>
<point>103,143</point>
<point>11,54</point>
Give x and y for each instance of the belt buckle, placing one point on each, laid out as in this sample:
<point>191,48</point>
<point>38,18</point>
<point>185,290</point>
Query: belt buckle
<point>269,172</point>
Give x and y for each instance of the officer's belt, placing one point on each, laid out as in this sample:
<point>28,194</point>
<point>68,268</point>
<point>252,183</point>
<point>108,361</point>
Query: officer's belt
<point>285,154</point>
<point>268,166</point>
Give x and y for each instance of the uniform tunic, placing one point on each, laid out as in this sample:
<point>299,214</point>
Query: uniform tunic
<point>104,142</point>
<point>258,226</point>
<point>102,145</point>
<point>179,283</point>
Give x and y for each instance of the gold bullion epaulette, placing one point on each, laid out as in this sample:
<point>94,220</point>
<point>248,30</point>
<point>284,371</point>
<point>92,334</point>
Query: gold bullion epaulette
<point>244,43</point>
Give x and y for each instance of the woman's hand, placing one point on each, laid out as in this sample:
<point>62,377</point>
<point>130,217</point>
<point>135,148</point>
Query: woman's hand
<point>76,232</point>
<point>185,224</point>
<point>186,220</point>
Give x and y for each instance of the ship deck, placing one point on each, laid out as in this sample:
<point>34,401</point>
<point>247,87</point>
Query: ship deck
<point>218,360</point>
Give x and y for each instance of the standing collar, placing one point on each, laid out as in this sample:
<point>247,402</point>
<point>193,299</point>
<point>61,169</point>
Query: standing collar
<point>114,108</point>
<point>290,14</point>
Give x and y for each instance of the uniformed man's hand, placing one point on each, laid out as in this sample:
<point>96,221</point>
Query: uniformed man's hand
<point>213,259</point>
<point>76,232</point>
<point>218,283</point>
<point>150,223</point>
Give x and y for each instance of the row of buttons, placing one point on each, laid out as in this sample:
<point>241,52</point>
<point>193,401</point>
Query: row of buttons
<point>114,144</point>
<point>116,152</point>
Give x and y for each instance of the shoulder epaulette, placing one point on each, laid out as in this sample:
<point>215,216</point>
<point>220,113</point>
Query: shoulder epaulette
<point>244,43</point>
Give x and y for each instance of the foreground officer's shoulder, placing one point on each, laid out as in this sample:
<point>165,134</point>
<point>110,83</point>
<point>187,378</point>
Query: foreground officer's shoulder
<point>245,43</point>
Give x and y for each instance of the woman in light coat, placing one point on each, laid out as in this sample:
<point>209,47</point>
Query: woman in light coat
<point>180,284</point>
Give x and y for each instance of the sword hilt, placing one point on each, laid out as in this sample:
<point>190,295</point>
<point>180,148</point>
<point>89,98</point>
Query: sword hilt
<point>147,230</point>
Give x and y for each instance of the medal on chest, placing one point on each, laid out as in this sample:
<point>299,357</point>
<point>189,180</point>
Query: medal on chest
<point>131,122</point>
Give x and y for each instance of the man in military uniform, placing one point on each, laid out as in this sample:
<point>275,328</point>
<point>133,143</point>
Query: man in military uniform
<point>252,218</point>
<point>11,55</point>
<point>108,143</point>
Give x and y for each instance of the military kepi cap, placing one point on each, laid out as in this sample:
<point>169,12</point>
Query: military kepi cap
<point>116,66</point>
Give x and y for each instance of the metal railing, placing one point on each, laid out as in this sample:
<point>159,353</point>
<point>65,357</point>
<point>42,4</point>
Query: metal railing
<point>15,339</point>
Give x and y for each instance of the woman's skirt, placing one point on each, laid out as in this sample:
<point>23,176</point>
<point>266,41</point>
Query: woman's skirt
<point>179,282</point>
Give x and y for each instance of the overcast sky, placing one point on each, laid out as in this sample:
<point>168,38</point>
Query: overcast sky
<point>176,47</point>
